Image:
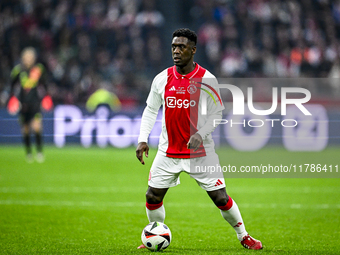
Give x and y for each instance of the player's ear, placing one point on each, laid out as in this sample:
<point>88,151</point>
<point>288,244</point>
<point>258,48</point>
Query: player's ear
<point>193,49</point>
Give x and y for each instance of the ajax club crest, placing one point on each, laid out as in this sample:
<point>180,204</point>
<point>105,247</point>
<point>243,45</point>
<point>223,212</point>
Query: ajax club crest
<point>192,89</point>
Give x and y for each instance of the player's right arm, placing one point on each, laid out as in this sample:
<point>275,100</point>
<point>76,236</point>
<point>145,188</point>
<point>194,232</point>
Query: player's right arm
<point>149,117</point>
<point>13,104</point>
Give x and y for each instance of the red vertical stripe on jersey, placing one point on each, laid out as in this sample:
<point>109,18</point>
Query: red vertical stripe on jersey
<point>181,113</point>
<point>194,111</point>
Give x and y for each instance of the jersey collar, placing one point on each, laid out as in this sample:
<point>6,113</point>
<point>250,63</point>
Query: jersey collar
<point>189,75</point>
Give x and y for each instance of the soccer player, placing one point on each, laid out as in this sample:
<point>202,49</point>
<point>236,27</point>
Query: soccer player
<point>186,139</point>
<point>29,74</point>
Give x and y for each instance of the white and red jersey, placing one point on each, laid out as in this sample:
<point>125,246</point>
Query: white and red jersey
<point>181,97</point>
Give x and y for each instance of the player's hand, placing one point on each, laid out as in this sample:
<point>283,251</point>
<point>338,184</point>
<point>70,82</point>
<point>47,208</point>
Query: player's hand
<point>194,142</point>
<point>13,105</point>
<point>141,148</point>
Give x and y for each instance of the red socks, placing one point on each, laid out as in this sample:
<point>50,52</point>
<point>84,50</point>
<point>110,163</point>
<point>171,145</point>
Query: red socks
<point>153,206</point>
<point>227,206</point>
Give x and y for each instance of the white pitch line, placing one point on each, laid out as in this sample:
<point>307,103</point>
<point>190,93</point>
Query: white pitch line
<point>71,190</point>
<point>69,203</point>
<point>138,189</point>
<point>168,204</point>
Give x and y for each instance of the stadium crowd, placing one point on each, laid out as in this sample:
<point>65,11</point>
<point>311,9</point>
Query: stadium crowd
<point>119,45</point>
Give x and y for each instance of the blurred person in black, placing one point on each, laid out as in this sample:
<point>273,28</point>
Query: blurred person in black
<point>29,74</point>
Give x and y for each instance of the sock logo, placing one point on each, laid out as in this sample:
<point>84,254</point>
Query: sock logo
<point>238,225</point>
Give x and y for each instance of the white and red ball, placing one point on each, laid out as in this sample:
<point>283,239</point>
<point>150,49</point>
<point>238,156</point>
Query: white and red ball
<point>156,236</point>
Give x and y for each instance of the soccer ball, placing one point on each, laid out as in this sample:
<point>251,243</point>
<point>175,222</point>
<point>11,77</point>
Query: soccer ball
<point>156,236</point>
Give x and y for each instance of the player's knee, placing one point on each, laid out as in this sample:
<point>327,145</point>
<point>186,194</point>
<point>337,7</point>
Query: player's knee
<point>221,201</point>
<point>25,130</point>
<point>152,198</point>
<point>219,197</point>
<point>36,126</point>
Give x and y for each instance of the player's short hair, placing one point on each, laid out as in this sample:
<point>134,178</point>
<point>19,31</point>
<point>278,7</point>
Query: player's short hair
<point>186,32</point>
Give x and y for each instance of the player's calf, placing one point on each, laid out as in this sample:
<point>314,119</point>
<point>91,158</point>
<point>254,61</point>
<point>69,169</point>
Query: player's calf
<point>232,215</point>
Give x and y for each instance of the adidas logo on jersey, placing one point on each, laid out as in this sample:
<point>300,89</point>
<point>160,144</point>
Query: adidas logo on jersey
<point>179,90</point>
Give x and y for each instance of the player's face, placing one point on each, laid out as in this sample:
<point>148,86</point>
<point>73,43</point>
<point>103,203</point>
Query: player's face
<point>182,51</point>
<point>28,58</point>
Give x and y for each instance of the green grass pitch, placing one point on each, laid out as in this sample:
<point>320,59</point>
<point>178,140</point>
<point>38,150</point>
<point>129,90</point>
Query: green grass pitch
<point>92,201</point>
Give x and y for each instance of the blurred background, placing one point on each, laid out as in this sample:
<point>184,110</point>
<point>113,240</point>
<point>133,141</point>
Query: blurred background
<point>123,44</point>
<point>120,45</point>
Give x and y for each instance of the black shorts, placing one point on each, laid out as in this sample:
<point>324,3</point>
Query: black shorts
<point>29,111</point>
<point>27,117</point>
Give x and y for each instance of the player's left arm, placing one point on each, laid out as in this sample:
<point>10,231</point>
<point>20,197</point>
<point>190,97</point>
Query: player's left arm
<point>43,77</point>
<point>197,139</point>
<point>212,122</point>
<point>46,102</point>
<point>214,113</point>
